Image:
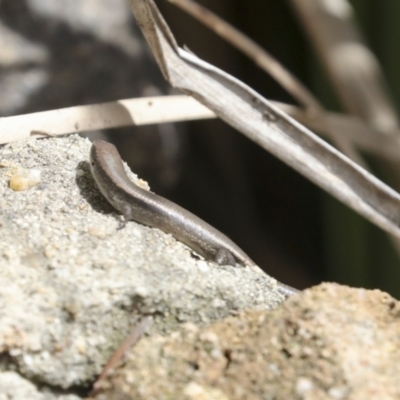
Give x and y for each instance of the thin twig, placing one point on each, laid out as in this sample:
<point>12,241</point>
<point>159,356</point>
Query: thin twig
<point>268,63</point>
<point>140,111</point>
<point>332,125</point>
<point>260,121</point>
<point>337,126</point>
<point>115,359</point>
<point>353,69</point>
<point>254,51</point>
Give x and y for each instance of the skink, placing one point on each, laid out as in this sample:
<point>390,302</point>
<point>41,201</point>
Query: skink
<point>150,209</point>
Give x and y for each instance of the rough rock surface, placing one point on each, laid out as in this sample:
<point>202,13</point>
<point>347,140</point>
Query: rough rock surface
<point>330,342</point>
<point>72,285</point>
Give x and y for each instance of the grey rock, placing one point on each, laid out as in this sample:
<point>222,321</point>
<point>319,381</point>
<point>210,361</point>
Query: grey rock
<point>72,285</point>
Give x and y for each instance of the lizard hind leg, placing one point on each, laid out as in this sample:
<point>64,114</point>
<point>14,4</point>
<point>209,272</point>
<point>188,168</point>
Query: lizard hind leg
<point>224,257</point>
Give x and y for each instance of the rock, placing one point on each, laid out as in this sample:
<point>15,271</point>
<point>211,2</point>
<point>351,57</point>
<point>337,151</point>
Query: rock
<point>72,285</point>
<point>330,342</point>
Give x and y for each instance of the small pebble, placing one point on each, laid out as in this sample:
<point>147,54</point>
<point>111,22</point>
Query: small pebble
<point>25,179</point>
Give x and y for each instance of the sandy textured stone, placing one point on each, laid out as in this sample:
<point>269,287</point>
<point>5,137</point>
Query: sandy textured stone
<point>330,342</point>
<point>72,285</point>
<point>14,386</point>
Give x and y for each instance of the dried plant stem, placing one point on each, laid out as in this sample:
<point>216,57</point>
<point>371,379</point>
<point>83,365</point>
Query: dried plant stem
<point>141,111</point>
<point>254,51</point>
<point>269,64</point>
<point>266,125</point>
<point>115,359</point>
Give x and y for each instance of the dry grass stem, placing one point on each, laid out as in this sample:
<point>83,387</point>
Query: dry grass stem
<point>269,64</point>
<point>272,129</point>
<point>140,111</point>
<point>254,51</point>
